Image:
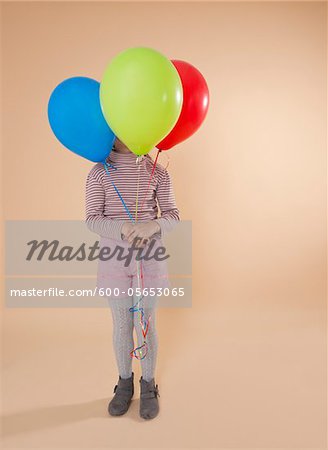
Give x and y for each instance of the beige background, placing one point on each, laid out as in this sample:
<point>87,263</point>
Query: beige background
<point>245,366</point>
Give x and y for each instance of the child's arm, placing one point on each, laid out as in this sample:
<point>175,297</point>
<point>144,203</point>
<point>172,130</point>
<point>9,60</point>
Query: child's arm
<point>166,201</point>
<point>95,201</point>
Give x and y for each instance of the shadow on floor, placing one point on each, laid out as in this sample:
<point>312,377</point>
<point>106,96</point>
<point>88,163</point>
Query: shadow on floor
<point>55,416</point>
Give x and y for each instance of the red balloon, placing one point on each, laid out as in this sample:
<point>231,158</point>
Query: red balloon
<point>194,106</point>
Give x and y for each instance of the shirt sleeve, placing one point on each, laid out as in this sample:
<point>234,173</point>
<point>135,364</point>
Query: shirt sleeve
<point>96,221</point>
<point>170,215</point>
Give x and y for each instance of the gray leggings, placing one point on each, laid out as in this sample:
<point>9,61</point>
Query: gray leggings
<point>124,321</point>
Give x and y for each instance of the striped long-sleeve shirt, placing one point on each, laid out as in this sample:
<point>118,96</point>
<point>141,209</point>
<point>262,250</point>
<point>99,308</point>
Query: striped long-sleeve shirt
<point>105,213</point>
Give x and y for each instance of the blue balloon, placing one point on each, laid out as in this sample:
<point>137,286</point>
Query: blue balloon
<point>76,118</point>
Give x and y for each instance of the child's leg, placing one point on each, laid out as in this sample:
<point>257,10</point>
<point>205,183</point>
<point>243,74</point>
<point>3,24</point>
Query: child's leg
<point>148,364</point>
<point>122,334</point>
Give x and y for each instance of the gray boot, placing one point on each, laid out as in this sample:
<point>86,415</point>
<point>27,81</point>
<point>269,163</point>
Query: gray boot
<point>149,406</point>
<point>124,391</point>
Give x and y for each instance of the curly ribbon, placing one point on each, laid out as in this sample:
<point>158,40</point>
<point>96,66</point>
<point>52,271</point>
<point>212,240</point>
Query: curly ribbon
<point>141,351</point>
<point>138,352</point>
<point>150,178</point>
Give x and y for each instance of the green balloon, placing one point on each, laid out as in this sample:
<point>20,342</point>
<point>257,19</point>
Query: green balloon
<point>141,97</point>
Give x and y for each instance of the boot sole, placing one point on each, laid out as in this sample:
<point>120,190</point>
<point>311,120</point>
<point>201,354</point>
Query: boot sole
<point>148,418</point>
<point>119,414</point>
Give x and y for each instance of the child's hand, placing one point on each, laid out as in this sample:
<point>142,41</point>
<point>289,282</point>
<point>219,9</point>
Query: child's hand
<point>126,229</point>
<point>143,231</point>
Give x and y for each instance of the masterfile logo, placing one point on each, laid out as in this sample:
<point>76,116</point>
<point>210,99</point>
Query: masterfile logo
<point>63,256</point>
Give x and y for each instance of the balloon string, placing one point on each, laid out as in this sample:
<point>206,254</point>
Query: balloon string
<point>140,351</point>
<point>167,160</point>
<point>145,196</point>
<point>106,165</point>
<point>150,178</point>
<point>138,185</point>
<point>136,215</point>
<point>140,277</point>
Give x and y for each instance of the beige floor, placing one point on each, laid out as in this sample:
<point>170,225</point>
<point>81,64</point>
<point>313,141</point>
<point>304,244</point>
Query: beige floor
<point>250,376</point>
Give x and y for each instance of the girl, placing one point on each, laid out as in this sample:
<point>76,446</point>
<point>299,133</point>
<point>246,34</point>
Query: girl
<point>107,216</point>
